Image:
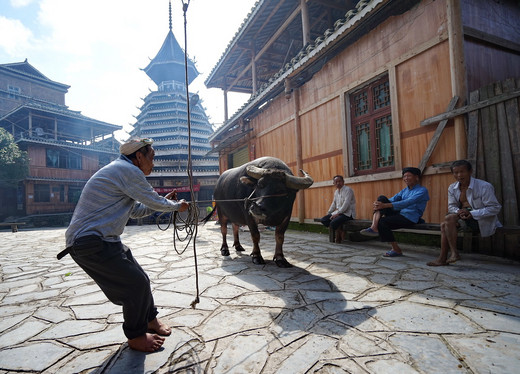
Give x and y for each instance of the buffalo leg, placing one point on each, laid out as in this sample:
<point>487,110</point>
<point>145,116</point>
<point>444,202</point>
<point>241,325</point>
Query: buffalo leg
<point>279,234</point>
<point>224,249</point>
<point>236,242</point>
<point>255,236</point>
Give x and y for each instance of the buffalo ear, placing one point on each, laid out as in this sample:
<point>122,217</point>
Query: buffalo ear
<point>248,181</point>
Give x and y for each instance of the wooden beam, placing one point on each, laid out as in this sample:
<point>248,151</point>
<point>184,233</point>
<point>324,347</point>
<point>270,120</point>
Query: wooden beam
<point>306,30</point>
<point>268,44</point>
<point>436,136</point>
<point>457,69</point>
<point>473,130</point>
<point>491,39</point>
<point>471,107</point>
<point>331,4</point>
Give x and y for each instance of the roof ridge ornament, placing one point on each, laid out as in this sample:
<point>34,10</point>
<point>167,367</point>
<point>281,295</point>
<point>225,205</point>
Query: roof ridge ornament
<point>170,14</point>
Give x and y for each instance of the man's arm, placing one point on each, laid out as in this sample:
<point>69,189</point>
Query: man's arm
<point>491,206</point>
<point>417,195</point>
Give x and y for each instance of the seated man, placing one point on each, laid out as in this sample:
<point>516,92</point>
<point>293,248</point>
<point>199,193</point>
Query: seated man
<point>471,205</point>
<point>342,209</point>
<point>402,210</point>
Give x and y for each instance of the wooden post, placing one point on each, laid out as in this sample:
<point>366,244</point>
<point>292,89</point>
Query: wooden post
<point>299,157</point>
<point>436,137</point>
<point>306,30</point>
<point>30,123</point>
<point>253,69</point>
<point>225,106</point>
<point>457,71</point>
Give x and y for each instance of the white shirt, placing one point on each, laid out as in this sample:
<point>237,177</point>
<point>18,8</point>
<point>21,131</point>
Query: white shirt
<point>484,204</point>
<point>344,202</point>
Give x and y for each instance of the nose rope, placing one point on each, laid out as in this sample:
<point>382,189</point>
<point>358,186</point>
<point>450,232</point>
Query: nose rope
<point>247,200</point>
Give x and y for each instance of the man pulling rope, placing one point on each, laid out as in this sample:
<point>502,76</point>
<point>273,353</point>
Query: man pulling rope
<point>114,194</point>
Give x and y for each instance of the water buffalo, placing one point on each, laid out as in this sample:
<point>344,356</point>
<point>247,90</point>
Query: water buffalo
<point>259,192</point>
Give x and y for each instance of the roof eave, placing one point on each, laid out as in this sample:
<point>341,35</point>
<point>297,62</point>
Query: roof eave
<point>295,66</point>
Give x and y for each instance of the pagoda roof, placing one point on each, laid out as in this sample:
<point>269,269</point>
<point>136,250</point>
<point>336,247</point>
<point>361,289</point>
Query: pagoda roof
<point>26,70</point>
<point>168,64</point>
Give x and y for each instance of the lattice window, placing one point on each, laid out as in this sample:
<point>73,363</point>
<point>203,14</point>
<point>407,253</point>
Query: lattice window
<point>384,141</point>
<point>363,146</point>
<point>361,104</point>
<point>371,124</point>
<point>381,95</point>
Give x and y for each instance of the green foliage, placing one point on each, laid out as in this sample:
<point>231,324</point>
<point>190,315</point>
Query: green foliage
<point>14,163</point>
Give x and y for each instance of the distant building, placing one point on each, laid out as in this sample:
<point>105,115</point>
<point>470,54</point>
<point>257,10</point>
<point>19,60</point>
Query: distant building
<point>65,148</point>
<point>164,118</point>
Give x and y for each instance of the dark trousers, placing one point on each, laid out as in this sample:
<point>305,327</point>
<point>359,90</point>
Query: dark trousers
<point>120,278</point>
<point>336,222</point>
<point>390,220</point>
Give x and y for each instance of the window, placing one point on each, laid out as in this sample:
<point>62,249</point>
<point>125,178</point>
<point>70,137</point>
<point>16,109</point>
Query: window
<point>42,193</point>
<point>371,120</point>
<point>13,91</point>
<point>57,158</point>
<point>73,194</point>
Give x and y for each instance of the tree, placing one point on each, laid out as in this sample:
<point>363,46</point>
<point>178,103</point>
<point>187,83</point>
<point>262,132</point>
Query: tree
<point>14,163</point>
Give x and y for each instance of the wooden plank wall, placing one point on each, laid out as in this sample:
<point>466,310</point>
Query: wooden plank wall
<point>417,61</point>
<point>494,146</point>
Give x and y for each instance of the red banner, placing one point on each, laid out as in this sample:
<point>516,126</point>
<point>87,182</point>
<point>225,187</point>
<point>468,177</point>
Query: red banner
<point>196,187</point>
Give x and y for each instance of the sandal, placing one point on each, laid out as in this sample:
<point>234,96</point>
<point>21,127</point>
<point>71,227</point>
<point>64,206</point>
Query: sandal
<point>392,253</point>
<point>369,232</point>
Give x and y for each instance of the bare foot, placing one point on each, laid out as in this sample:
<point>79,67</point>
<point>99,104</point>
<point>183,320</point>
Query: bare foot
<point>159,327</point>
<point>453,259</point>
<point>437,263</point>
<point>146,343</point>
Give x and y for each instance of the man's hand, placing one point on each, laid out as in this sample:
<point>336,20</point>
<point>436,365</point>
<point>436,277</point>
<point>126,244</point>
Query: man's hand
<point>464,214</point>
<point>172,195</point>
<point>378,205</point>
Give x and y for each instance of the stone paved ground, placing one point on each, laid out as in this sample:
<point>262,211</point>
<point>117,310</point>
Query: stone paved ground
<point>340,309</point>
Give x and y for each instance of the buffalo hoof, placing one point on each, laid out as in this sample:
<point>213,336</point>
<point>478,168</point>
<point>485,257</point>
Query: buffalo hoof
<point>258,260</point>
<point>239,248</point>
<point>282,263</point>
<point>224,251</point>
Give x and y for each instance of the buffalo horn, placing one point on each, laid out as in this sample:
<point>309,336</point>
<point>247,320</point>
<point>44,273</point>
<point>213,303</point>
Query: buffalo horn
<point>255,172</point>
<point>298,183</point>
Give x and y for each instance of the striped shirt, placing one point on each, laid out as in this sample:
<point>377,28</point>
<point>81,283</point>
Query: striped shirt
<point>114,194</point>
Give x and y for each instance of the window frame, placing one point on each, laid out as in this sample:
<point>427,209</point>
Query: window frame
<point>369,119</point>
<point>42,193</point>
<point>65,159</point>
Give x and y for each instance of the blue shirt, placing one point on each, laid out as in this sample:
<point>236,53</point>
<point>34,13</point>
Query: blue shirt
<point>411,202</point>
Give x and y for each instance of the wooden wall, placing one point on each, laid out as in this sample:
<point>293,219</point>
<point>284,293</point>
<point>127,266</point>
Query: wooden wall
<point>491,46</point>
<point>56,177</point>
<point>413,50</point>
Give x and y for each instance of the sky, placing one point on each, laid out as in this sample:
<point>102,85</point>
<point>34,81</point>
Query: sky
<point>98,47</point>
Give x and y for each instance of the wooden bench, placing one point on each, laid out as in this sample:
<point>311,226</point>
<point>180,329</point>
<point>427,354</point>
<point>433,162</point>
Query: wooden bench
<point>354,226</point>
<point>14,225</point>
<point>504,237</point>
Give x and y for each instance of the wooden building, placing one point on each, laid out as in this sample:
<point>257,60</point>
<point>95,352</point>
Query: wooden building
<point>343,87</point>
<point>65,148</point>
